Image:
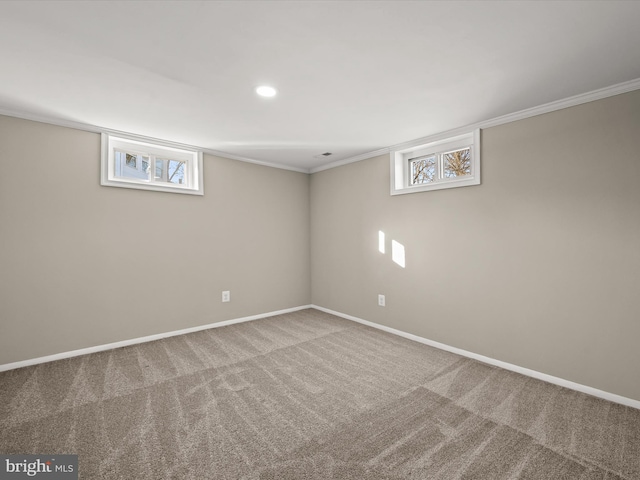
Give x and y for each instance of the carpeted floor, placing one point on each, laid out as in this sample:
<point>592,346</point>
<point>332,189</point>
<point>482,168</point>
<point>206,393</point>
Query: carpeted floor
<point>307,395</point>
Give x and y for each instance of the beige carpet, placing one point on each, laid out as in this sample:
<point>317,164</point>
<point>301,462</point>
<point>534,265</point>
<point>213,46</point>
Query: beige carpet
<point>309,396</point>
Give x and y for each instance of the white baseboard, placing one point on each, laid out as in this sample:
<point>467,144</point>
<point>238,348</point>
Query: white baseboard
<point>612,397</point>
<point>148,338</point>
<point>442,346</point>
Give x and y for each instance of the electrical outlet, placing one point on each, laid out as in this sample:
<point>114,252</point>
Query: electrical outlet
<point>226,296</point>
<point>381,301</point>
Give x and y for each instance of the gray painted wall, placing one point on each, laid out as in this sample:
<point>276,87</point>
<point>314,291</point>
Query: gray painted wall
<point>539,266</point>
<point>84,265</point>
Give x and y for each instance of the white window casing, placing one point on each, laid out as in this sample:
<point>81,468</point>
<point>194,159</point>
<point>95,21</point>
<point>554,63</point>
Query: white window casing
<point>409,172</point>
<point>131,163</point>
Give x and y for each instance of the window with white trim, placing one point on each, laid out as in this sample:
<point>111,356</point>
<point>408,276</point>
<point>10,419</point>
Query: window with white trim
<point>446,163</point>
<point>132,163</point>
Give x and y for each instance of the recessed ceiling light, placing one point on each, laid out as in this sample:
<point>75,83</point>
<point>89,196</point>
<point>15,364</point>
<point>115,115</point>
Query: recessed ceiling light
<point>266,91</point>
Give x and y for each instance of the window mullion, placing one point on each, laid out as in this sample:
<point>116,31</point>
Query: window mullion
<point>152,164</point>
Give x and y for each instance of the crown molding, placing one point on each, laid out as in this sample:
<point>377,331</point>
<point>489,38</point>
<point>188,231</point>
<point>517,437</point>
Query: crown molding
<point>579,99</point>
<point>592,96</point>
<point>87,127</point>
<point>231,156</point>
<point>355,158</point>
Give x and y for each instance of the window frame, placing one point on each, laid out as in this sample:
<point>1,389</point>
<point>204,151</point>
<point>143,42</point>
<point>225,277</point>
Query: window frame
<point>402,160</point>
<point>193,165</point>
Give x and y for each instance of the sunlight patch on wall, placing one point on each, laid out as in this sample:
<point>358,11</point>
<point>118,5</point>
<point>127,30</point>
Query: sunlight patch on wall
<point>397,249</point>
<point>397,253</point>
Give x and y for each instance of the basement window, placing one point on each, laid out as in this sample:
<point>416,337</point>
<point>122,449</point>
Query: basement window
<point>446,163</point>
<point>131,163</point>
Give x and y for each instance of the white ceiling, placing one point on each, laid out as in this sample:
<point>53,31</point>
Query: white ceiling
<point>352,76</point>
